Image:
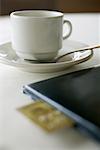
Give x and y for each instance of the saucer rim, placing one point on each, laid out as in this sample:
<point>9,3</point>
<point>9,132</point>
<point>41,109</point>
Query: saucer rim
<point>46,67</point>
<point>48,64</point>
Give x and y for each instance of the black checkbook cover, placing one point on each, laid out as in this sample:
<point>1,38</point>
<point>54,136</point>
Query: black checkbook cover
<point>76,94</point>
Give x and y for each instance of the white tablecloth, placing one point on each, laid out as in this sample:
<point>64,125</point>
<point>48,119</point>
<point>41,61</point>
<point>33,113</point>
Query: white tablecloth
<point>18,133</point>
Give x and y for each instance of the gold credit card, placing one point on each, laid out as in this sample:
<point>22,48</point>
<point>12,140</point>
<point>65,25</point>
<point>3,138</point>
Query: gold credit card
<point>46,116</point>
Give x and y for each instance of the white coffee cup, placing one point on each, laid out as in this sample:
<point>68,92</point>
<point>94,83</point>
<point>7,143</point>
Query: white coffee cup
<point>37,34</point>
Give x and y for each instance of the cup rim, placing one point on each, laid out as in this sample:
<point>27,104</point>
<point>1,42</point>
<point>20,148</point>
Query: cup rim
<point>51,14</point>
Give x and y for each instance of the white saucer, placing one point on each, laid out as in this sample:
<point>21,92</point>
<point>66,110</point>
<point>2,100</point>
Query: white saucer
<point>9,57</point>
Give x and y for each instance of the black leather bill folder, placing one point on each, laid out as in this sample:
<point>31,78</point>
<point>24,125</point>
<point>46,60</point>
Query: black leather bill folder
<point>76,94</point>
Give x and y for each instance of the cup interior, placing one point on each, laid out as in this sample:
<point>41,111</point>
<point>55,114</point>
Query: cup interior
<point>37,13</point>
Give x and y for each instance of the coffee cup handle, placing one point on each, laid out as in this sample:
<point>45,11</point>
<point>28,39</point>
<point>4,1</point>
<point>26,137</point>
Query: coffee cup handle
<point>70,29</point>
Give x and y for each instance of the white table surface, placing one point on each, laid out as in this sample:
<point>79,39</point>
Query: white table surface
<point>18,133</point>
